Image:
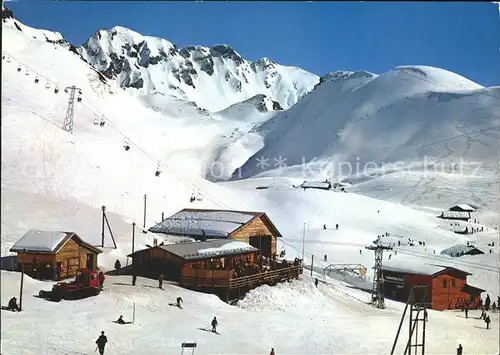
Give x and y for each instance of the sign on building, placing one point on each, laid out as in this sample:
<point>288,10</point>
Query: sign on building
<point>399,280</point>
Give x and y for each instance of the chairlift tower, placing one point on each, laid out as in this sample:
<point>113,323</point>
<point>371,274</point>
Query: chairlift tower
<point>70,111</point>
<point>377,289</point>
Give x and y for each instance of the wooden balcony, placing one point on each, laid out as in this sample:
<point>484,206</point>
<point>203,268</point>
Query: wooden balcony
<point>224,279</point>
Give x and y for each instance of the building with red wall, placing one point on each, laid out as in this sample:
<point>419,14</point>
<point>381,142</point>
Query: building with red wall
<point>446,287</point>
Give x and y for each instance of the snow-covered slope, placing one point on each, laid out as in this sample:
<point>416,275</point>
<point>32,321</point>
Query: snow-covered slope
<point>400,116</point>
<point>214,78</point>
<point>53,180</point>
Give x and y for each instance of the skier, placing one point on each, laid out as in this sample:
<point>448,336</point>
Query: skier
<point>459,349</point>
<point>13,305</point>
<point>120,320</point>
<point>179,300</point>
<point>325,258</point>
<point>466,312</point>
<point>101,280</point>
<point>488,321</point>
<point>316,282</point>
<point>101,343</point>
<point>487,303</point>
<point>324,226</point>
<point>160,282</point>
<point>337,226</point>
<point>360,252</point>
<point>272,352</point>
<point>214,325</point>
<point>389,256</point>
<point>118,266</point>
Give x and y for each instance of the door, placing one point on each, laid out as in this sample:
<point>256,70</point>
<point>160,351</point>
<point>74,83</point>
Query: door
<point>90,262</point>
<point>263,243</point>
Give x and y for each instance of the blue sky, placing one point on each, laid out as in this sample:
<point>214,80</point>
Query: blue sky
<point>318,37</point>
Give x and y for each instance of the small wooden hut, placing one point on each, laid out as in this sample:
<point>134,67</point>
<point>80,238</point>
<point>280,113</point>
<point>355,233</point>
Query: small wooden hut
<point>54,255</point>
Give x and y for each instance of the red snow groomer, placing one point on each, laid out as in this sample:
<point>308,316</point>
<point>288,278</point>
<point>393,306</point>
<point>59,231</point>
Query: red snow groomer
<point>86,284</point>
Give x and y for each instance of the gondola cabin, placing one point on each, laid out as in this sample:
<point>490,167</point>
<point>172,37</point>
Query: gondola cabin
<point>54,255</point>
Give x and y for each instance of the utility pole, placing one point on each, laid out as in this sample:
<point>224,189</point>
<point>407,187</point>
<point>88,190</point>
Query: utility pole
<point>303,240</point>
<point>22,281</point>
<point>70,111</point>
<point>103,209</point>
<point>133,236</point>
<point>144,222</point>
<point>378,281</point>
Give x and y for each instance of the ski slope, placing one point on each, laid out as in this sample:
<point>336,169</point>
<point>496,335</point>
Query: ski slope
<point>58,181</point>
<point>361,120</point>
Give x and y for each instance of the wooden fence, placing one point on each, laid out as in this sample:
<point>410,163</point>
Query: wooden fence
<point>216,281</point>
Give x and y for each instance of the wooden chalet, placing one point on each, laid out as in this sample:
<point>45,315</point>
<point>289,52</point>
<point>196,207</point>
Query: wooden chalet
<point>462,208</point>
<point>320,185</point>
<point>444,287</point>
<point>54,255</point>
<point>254,228</point>
<point>227,268</point>
<point>461,250</point>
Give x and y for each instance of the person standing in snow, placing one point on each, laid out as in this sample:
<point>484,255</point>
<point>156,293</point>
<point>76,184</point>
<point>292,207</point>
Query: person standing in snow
<point>488,321</point>
<point>316,282</point>
<point>101,343</point>
<point>337,226</point>
<point>134,279</point>
<point>118,266</point>
<point>272,352</point>
<point>101,280</point>
<point>466,310</point>
<point>214,325</point>
<point>326,258</point>
<point>459,349</point>
<point>494,306</point>
<point>160,282</point>
<point>324,226</point>
<point>179,300</point>
<point>487,303</point>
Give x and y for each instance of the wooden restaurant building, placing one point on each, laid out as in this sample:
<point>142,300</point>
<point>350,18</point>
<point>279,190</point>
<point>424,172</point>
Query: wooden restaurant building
<point>446,287</point>
<point>254,228</point>
<point>54,255</point>
<point>232,252</point>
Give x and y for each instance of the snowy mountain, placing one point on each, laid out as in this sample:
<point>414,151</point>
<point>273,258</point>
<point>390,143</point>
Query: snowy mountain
<point>399,116</point>
<point>214,78</point>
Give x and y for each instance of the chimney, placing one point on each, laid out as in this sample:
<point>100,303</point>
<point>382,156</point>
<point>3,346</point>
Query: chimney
<point>155,242</point>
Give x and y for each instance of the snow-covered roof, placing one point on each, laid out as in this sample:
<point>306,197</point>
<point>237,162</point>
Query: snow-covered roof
<point>214,223</point>
<point>464,207</point>
<point>208,249</point>
<point>40,241</point>
<point>412,267</point>
<point>460,248</point>
<point>316,184</point>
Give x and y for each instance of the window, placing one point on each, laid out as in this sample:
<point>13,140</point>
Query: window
<point>445,283</point>
<point>453,283</point>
